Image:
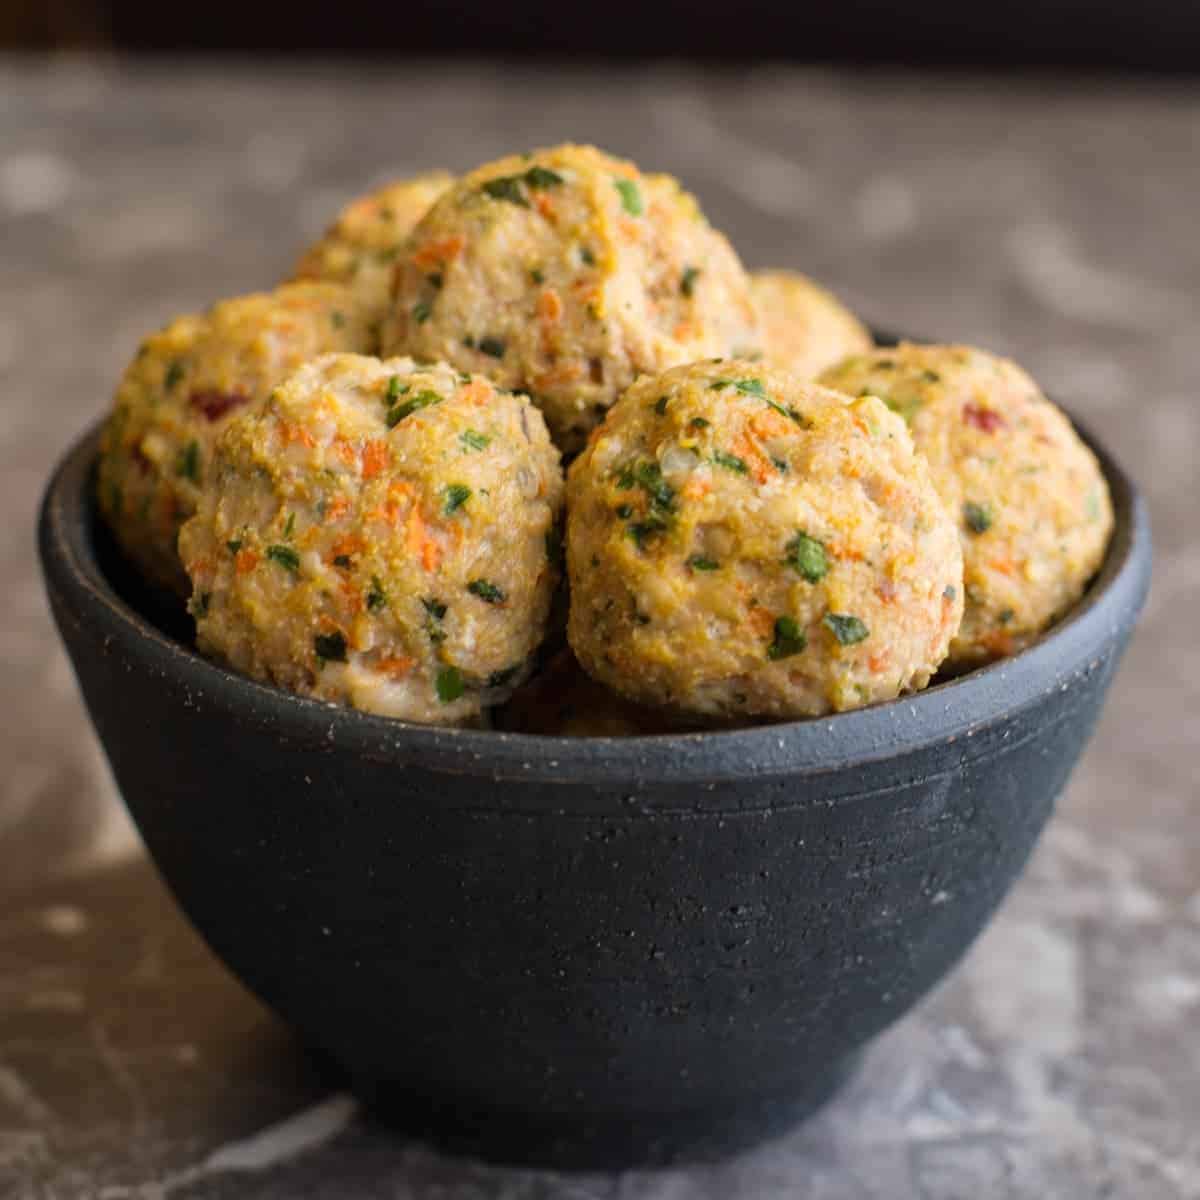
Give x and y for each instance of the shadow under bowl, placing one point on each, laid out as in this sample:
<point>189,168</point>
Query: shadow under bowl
<point>582,951</point>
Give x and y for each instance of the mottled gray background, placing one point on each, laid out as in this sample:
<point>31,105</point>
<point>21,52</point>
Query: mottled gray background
<point>1053,221</point>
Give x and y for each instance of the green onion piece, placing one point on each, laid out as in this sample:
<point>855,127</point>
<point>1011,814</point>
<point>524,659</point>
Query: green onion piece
<point>455,496</point>
<point>631,198</point>
<point>285,556</point>
<point>807,557</point>
<point>486,591</point>
<point>847,629</point>
<point>449,684</point>
<point>789,639</point>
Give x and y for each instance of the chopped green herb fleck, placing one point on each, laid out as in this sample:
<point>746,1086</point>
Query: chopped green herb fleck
<point>473,440</point>
<point>233,545</point>
<point>807,557</point>
<point>699,423</point>
<point>631,198</point>
<point>456,495</point>
<point>338,319</point>
<point>449,684</point>
<point>1005,615</point>
<point>719,385</point>
<point>330,647</point>
<point>730,462</point>
<point>344,561</point>
<point>419,400</point>
<point>396,387</point>
<point>660,405</point>
<point>188,463</point>
<point>434,607</point>
<point>500,678</point>
<point>649,477</point>
<point>781,465</point>
<point>174,375</point>
<point>376,596</point>
<point>536,276</point>
<point>285,556</point>
<point>699,563</point>
<point>422,311</point>
<point>847,629</point>
<point>687,284</point>
<point>585,253</point>
<point>751,387</point>
<point>977,516</point>
<point>641,531</point>
<point>507,187</point>
<point>539,178</point>
<point>791,413</point>
<point>290,526</point>
<point>789,639</point>
<point>486,591</point>
<point>494,347</point>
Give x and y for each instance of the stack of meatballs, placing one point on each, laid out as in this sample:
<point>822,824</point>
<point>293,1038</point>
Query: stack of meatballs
<point>357,479</point>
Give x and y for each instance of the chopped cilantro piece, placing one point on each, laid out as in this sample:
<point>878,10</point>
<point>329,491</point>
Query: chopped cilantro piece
<point>730,462</point>
<point>330,647</point>
<point>807,556</point>
<point>455,496</point>
<point>536,276</point>
<point>344,561</point>
<point>977,516</point>
<point>585,253</point>
<point>1005,615</point>
<point>699,423</point>
<point>847,629</point>
<point>174,375</point>
<point>631,198</point>
<point>751,387</point>
<point>486,591</point>
<point>233,545</point>
<point>789,639</point>
<point>422,311</point>
<point>790,413</point>
<point>290,525</point>
<point>419,400</point>
<point>660,405</point>
<point>285,556</point>
<point>396,387</point>
<point>507,187</point>
<point>338,319</point>
<point>434,607</point>
<point>641,531</point>
<point>494,347</point>
<point>473,440</point>
<point>188,462</point>
<point>699,563</point>
<point>781,465</point>
<point>649,477</point>
<point>687,283</point>
<point>376,597</point>
<point>449,684</point>
<point>539,178</point>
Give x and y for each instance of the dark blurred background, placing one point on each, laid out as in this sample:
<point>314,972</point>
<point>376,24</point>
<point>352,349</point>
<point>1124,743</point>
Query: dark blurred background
<point>1139,35</point>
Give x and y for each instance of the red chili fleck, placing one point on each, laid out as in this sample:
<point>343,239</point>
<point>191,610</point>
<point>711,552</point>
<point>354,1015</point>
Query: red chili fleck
<point>214,405</point>
<point>983,418</point>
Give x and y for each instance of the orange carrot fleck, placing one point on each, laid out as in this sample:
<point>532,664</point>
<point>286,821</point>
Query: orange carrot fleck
<point>375,458</point>
<point>434,253</point>
<point>246,561</point>
<point>336,509</point>
<point>550,307</point>
<point>397,666</point>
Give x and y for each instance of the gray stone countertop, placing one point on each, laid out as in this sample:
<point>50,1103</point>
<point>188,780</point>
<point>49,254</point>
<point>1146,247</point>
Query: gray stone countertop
<point>1055,221</point>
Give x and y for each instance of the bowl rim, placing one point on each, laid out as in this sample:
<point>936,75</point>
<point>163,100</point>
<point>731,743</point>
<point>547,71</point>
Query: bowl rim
<point>954,709</point>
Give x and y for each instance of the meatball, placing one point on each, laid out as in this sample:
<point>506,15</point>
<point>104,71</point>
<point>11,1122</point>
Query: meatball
<point>566,274</point>
<point>1030,501</point>
<point>805,328</point>
<point>743,543</point>
<point>361,246</point>
<point>184,385</point>
<point>379,535</point>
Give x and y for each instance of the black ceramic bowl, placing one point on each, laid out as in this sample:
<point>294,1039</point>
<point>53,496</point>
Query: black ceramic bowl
<point>582,950</point>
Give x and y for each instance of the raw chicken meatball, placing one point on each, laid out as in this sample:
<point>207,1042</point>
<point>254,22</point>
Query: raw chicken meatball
<point>184,385</point>
<point>379,535</point>
<point>1030,501</point>
<point>805,328</point>
<point>566,274</point>
<point>740,542</point>
<point>360,248</point>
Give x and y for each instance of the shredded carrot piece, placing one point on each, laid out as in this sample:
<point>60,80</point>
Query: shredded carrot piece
<point>478,391</point>
<point>290,433</point>
<point>878,661</point>
<point>352,543</point>
<point>443,251</point>
<point>1005,566</point>
<point>550,307</point>
<point>757,462</point>
<point>396,666</point>
<point>697,488</point>
<point>336,509</point>
<point>544,205</point>
<point>419,542</point>
<point>375,458</point>
<point>246,561</point>
<point>345,451</point>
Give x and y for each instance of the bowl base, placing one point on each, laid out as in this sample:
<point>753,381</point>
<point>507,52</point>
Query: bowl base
<point>580,1143</point>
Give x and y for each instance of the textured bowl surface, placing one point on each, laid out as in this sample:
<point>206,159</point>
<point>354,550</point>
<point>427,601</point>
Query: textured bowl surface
<point>582,950</point>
